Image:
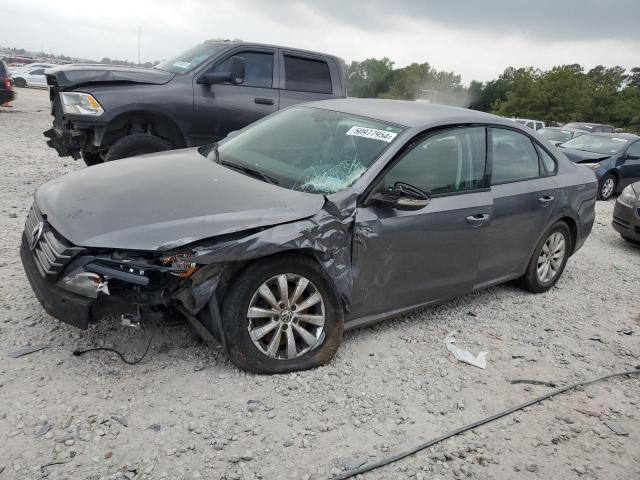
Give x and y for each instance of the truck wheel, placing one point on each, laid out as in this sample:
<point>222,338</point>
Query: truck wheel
<point>282,314</point>
<point>20,82</point>
<point>91,159</point>
<point>136,144</point>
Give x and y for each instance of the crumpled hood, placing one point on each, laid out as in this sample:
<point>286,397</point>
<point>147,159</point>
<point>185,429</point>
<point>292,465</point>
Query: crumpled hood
<point>163,201</point>
<point>76,75</point>
<point>580,156</point>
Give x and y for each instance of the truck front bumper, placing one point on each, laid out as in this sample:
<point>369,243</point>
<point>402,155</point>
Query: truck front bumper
<point>67,142</point>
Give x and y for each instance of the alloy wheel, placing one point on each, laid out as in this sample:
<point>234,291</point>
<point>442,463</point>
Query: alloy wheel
<point>607,187</point>
<point>551,257</point>
<point>286,316</point>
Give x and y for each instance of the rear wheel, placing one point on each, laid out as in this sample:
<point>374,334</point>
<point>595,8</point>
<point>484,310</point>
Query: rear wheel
<point>20,82</point>
<point>607,187</point>
<point>282,314</point>
<point>136,144</point>
<point>548,260</point>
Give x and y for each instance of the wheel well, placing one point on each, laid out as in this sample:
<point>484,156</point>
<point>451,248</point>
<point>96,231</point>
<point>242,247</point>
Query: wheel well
<point>573,230</point>
<point>144,122</point>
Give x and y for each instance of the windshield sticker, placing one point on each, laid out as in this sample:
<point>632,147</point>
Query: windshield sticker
<point>372,133</point>
<point>180,64</point>
<point>618,139</point>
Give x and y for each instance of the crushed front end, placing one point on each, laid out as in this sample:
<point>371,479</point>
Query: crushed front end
<point>80,286</point>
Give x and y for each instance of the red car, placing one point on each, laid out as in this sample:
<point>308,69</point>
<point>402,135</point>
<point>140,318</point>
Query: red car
<point>6,89</point>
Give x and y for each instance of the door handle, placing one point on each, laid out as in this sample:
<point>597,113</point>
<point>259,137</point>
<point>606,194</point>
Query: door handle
<point>264,101</point>
<point>477,219</point>
<point>546,200</point>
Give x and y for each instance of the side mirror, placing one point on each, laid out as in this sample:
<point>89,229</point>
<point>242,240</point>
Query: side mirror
<point>402,197</point>
<point>235,75</point>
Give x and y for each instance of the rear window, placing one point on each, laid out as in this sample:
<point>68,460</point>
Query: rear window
<point>306,75</point>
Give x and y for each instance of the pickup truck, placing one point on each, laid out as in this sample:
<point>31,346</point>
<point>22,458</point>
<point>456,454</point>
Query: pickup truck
<point>103,113</point>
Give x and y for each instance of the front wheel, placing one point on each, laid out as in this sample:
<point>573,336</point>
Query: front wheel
<point>20,82</point>
<point>282,314</point>
<point>91,159</point>
<point>607,187</point>
<point>136,144</point>
<point>548,260</point>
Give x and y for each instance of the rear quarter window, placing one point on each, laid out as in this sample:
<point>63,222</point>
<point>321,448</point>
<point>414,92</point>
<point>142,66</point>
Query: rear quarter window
<point>306,75</point>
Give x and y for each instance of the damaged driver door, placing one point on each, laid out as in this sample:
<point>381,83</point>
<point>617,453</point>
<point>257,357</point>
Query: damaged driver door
<point>405,258</point>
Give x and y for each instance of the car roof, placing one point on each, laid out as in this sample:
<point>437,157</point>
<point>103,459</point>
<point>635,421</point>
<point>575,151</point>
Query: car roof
<point>566,129</point>
<point>408,113</point>
<point>270,45</point>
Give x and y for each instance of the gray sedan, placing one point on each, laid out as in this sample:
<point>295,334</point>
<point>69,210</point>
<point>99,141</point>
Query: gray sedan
<point>323,217</point>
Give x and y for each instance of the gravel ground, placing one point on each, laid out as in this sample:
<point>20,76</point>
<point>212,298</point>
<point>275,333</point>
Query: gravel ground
<point>186,413</point>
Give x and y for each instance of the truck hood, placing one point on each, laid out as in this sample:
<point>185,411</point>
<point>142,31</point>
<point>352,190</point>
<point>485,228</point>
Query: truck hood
<point>580,156</point>
<point>163,201</point>
<point>76,75</point>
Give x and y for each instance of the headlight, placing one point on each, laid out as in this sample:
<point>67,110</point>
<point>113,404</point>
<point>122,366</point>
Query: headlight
<point>627,197</point>
<point>80,104</point>
<point>593,166</point>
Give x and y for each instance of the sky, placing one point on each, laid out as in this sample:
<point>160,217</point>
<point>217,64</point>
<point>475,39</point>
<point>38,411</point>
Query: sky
<point>476,39</point>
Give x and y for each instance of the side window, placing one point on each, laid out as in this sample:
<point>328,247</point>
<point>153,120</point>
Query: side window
<point>258,70</point>
<point>634,150</point>
<point>539,125</point>
<point>514,157</point>
<point>37,71</point>
<point>306,75</point>
<point>447,162</point>
<point>547,160</point>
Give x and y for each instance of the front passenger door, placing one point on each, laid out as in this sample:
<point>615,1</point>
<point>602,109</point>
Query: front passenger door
<point>408,258</point>
<point>223,107</point>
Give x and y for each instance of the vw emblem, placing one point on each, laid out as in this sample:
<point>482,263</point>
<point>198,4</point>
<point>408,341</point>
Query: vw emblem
<point>36,233</point>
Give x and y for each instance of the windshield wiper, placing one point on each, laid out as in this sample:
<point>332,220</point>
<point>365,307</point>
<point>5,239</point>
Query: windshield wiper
<point>249,171</point>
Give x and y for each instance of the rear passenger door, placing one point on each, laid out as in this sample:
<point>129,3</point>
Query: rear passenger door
<point>524,194</point>
<point>305,78</point>
<point>221,108</point>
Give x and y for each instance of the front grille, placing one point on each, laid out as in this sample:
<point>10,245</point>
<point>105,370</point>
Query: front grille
<point>621,222</point>
<point>51,250</point>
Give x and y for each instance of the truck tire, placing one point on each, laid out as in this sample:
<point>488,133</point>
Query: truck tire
<point>136,144</point>
<point>91,159</point>
<point>313,325</point>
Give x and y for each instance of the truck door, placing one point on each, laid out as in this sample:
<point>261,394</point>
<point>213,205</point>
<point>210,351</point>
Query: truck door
<point>223,107</point>
<point>306,78</point>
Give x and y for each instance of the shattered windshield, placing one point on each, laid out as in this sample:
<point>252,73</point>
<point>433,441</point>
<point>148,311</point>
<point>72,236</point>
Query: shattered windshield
<point>310,149</point>
<point>597,144</point>
<point>187,61</point>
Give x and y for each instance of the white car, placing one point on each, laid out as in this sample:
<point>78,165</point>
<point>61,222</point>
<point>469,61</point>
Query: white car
<point>30,77</point>
<point>23,68</point>
<point>532,124</point>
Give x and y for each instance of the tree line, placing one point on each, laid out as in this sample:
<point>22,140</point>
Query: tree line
<point>565,93</point>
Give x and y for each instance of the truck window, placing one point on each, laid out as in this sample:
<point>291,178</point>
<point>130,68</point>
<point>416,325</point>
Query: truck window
<point>306,75</point>
<point>258,69</point>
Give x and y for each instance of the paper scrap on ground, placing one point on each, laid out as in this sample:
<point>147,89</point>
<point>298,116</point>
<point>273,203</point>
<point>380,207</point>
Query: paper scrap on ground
<point>461,355</point>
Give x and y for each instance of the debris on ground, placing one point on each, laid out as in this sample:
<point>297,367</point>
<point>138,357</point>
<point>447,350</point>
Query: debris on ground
<point>616,428</point>
<point>461,355</point>
<point>28,350</point>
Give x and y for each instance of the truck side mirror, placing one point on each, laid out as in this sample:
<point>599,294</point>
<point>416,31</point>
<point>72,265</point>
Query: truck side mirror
<point>235,74</point>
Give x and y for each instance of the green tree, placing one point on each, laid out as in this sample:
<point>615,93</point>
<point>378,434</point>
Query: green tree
<point>369,78</point>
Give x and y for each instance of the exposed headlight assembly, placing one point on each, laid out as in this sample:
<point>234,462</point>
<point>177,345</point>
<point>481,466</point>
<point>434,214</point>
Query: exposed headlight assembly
<point>76,103</point>
<point>87,284</point>
<point>592,166</point>
<point>628,196</point>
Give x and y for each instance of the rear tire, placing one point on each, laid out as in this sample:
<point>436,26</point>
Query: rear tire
<point>536,279</point>
<point>136,144</point>
<point>607,187</point>
<point>249,349</point>
<point>20,82</point>
<point>91,159</point>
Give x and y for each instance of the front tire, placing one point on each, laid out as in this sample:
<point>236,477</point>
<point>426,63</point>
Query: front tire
<point>20,82</point>
<point>136,144</point>
<point>607,187</point>
<point>548,260</point>
<point>282,314</point>
<point>91,159</point>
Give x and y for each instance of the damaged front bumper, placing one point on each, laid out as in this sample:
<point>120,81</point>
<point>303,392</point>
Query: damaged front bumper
<point>67,142</point>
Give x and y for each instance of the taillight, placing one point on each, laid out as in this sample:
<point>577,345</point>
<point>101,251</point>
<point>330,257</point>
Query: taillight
<point>6,83</point>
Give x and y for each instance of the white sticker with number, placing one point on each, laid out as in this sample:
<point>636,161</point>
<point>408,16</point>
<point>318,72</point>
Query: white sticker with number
<point>372,133</point>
